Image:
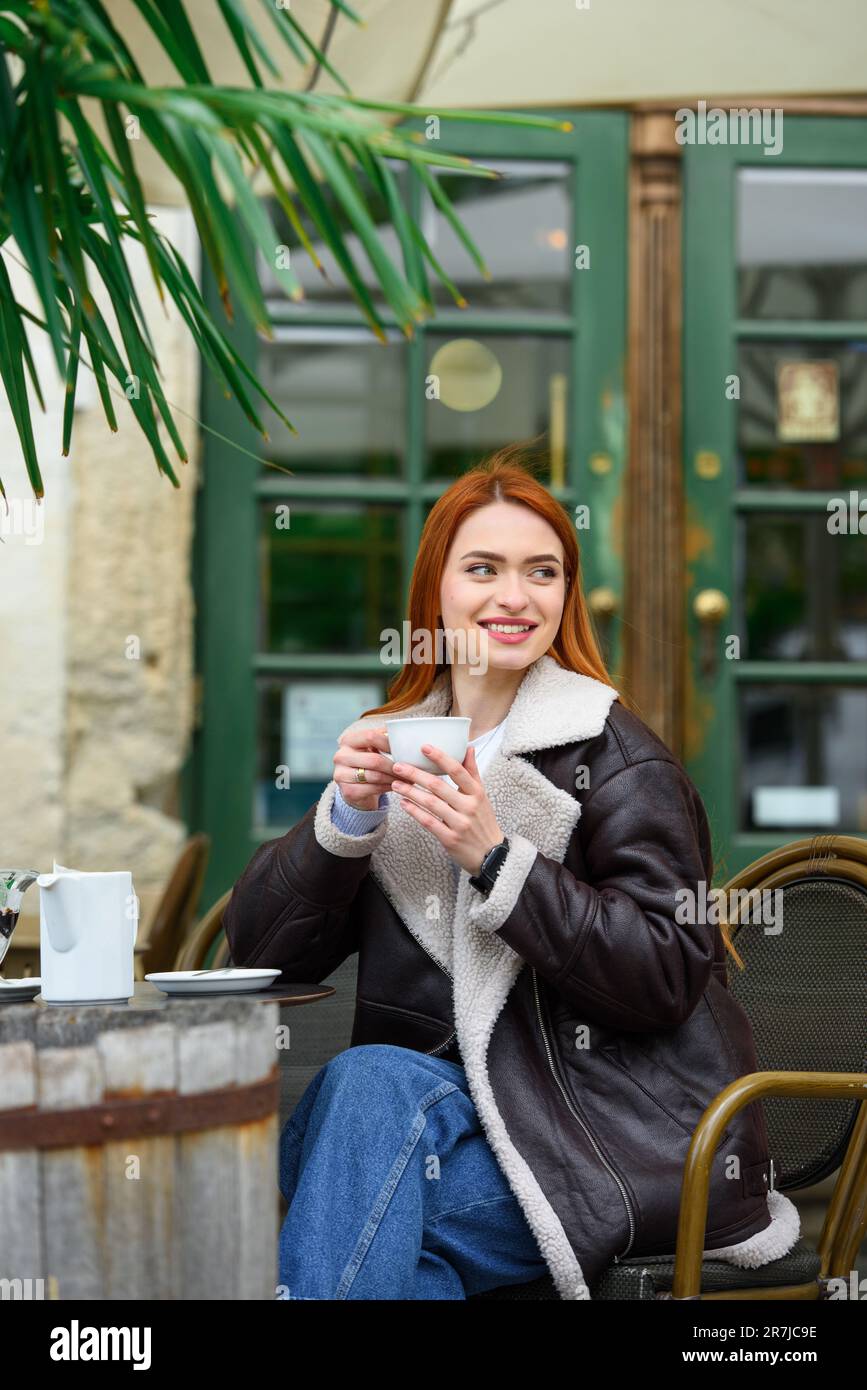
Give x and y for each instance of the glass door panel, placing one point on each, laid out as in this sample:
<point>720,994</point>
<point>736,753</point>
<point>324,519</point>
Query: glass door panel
<point>331,575</point>
<point>776,452</point>
<point>797,388</point>
<point>803,751</point>
<point>802,243</point>
<point>524,220</point>
<point>487,391</point>
<point>345,393</point>
<point>299,720</point>
<point>326,289</point>
<point>803,591</point>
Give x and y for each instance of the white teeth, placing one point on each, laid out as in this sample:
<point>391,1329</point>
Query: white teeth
<point>504,627</point>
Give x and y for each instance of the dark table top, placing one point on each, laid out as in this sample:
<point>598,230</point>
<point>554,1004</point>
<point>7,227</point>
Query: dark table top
<point>148,997</point>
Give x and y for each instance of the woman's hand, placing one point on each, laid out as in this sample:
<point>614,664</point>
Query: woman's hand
<point>462,819</point>
<point>359,748</point>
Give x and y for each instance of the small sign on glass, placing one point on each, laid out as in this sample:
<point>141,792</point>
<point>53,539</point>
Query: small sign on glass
<point>808,402</point>
<point>315,713</point>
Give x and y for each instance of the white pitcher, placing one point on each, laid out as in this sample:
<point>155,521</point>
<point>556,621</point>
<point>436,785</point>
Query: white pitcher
<point>88,924</point>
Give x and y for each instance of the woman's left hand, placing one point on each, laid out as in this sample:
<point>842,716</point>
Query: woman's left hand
<point>461,818</point>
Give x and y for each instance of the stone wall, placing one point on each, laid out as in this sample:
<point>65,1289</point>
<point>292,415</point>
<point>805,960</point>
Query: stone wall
<point>96,618</point>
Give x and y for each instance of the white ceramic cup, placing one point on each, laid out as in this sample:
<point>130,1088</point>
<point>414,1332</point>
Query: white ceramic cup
<point>449,732</point>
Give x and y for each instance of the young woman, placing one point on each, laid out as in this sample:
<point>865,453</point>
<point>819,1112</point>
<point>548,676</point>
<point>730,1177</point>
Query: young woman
<point>539,1023</point>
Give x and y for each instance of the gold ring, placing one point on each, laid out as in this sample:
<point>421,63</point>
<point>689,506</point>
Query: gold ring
<point>360,775</point>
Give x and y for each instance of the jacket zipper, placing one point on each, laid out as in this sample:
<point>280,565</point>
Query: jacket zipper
<point>615,1175</point>
<point>432,1051</point>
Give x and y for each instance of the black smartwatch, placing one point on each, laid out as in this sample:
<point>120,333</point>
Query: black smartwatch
<point>493,861</point>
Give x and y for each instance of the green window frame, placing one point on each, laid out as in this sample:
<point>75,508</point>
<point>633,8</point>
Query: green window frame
<point>220,772</point>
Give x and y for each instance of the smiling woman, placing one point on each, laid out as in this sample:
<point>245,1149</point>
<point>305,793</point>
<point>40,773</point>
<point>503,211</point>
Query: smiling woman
<point>491,893</point>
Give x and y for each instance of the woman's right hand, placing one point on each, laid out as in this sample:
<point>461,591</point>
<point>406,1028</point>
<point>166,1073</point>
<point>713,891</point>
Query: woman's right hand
<point>363,748</point>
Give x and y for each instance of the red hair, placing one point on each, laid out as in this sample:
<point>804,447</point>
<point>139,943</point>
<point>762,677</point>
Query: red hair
<point>503,477</point>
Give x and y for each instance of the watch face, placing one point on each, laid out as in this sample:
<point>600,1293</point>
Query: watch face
<point>494,859</point>
<point>491,863</point>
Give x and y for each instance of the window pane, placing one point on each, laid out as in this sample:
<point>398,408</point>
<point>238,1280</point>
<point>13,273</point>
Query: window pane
<point>494,391</point>
<point>804,589</point>
<point>331,576</point>
<point>803,757</point>
<point>802,243</point>
<point>299,722</point>
<point>345,393</point>
<point>767,458</point>
<point>330,289</point>
<point>522,225</point>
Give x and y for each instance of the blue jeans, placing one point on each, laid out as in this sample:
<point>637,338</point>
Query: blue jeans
<point>393,1189</point>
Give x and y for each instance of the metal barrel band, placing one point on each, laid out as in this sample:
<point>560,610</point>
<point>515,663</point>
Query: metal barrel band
<point>158,1114</point>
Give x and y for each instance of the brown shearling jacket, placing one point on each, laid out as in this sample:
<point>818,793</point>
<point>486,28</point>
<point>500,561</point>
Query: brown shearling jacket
<point>594,1025</point>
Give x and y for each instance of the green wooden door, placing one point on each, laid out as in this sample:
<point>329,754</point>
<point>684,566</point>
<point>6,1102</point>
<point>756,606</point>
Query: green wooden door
<point>298,575</point>
<point>775,452</point>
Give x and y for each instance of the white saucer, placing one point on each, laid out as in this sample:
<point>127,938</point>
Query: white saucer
<point>233,980</point>
<point>20,990</point>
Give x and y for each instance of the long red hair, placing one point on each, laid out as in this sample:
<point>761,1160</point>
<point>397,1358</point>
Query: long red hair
<point>505,476</point>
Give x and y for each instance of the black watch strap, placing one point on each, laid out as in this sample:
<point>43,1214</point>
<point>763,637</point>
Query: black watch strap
<point>493,861</point>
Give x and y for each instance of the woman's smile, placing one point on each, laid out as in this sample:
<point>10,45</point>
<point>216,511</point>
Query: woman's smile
<point>510,633</point>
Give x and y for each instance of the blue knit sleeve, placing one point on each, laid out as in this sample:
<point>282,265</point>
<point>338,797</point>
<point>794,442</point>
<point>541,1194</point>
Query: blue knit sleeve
<point>354,822</point>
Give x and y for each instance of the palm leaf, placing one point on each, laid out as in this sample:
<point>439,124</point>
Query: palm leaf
<point>323,219</point>
<point>73,201</point>
<point>12,372</point>
<point>71,379</point>
<point>245,34</point>
<point>444,204</point>
<point>25,218</point>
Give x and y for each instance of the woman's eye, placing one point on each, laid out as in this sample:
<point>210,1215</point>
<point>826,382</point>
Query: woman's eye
<point>543,569</point>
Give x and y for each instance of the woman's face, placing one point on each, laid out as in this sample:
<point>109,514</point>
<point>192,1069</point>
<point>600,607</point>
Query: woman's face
<point>505,565</point>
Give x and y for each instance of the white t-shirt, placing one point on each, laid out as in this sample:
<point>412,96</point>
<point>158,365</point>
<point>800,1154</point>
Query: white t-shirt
<point>484,747</point>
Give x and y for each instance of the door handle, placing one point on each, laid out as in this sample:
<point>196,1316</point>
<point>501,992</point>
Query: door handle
<point>710,606</point>
<point>603,604</point>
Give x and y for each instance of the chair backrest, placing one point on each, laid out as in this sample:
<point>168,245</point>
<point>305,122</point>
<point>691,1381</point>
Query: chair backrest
<point>194,950</point>
<point>804,988</point>
<point>176,910</point>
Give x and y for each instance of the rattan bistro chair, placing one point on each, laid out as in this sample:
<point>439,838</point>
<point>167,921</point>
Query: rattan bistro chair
<point>177,908</point>
<point>804,989</point>
<point>194,952</point>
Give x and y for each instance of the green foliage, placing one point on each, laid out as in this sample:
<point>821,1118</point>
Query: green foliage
<point>71,197</point>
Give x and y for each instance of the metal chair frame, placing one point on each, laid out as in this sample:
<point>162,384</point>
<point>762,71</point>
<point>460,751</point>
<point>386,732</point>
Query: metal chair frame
<point>845,1225</point>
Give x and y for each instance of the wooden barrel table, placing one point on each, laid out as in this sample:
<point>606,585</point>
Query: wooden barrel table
<point>138,1149</point>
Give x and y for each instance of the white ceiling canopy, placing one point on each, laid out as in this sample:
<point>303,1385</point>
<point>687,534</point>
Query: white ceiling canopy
<point>495,53</point>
